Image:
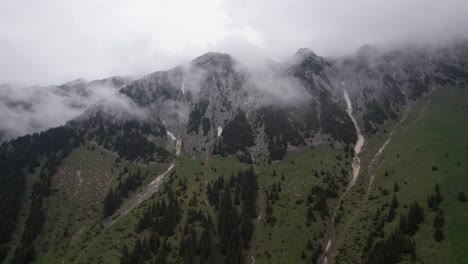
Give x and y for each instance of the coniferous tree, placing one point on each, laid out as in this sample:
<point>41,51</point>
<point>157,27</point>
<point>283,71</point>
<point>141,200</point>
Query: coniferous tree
<point>439,234</point>
<point>462,197</point>
<point>438,195</point>
<point>439,220</point>
<point>269,213</point>
<point>414,218</point>
<point>309,244</point>
<point>125,259</point>
<point>162,254</point>
<point>247,231</point>
<point>310,216</point>
<point>207,248</point>
<point>111,203</point>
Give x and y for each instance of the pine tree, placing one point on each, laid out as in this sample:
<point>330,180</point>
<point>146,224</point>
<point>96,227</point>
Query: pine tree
<point>109,203</point>
<point>206,247</point>
<point>394,203</point>
<point>403,224</point>
<point>430,201</point>
<point>391,214</point>
<point>415,217</point>
<point>439,234</point>
<point>462,197</point>
<point>309,244</point>
<point>310,215</point>
<point>439,220</point>
<point>395,187</point>
<point>269,212</point>
<point>247,230</point>
<point>393,206</point>
<point>438,196</point>
<point>162,254</point>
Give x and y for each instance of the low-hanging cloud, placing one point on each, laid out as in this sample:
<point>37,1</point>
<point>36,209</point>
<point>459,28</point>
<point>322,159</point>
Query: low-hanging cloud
<point>27,110</point>
<point>50,41</point>
<point>270,83</point>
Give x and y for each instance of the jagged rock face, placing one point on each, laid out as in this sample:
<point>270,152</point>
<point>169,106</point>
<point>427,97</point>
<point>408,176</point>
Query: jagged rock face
<point>210,94</point>
<point>194,100</point>
<point>379,83</point>
<point>216,106</point>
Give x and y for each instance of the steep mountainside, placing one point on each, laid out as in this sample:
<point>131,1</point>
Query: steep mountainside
<point>314,160</point>
<point>292,104</point>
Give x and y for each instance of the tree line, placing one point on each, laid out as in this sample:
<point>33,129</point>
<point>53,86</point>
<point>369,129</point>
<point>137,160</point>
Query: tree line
<point>114,198</point>
<point>224,239</point>
<point>18,158</point>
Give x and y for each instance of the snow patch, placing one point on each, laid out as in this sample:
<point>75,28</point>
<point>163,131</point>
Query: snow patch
<point>178,147</point>
<point>220,131</point>
<point>183,86</point>
<point>169,134</point>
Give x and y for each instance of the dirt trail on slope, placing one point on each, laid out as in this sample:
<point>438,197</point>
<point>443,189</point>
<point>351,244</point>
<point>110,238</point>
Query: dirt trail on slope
<point>331,243</point>
<point>371,168</point>
<point>261,204</point>
<point>372,165</point>
<point>145,194</point>
<point>420,115</point>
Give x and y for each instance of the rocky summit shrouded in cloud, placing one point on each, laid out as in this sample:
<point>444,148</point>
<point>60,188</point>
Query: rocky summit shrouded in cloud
<point>47,41</point>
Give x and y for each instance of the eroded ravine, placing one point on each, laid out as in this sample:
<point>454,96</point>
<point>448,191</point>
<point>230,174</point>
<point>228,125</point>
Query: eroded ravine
<point>148,190</point>
<point>356,170</point>
<point>374,162</point>
<point>373,165</point>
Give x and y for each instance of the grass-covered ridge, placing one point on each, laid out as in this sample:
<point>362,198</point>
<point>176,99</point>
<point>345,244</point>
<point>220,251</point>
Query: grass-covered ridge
<point>429,148</point>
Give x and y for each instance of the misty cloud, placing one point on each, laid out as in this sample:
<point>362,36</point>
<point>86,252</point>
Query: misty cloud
<point>270,85</point>
<point>118,107</point>
<point>49,41</point>
<point>31,109</point>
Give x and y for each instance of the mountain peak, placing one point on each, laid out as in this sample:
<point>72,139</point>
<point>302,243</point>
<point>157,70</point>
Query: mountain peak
<point>305,52</point>
<point>79,81</point>
<point>368,51</point>
<point>213,59</point>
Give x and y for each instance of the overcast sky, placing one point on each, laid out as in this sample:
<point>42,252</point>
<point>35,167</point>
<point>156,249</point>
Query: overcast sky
<point>53,41</point>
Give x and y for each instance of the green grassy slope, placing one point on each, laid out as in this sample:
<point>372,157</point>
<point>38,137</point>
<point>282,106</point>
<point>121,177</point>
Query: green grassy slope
<point>434,136</point>
<point>437,137</point>
<point>285,241</point>
<point>288,236</point>
<point>75,204</point>
<point>75,233</point>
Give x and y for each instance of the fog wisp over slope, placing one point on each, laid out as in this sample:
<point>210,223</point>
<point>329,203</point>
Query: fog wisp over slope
<point>32,109</point>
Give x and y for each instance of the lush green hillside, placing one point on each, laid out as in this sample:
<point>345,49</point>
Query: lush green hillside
<point>430,147</point>
<point>76,232</point>
<point>220,210</point>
